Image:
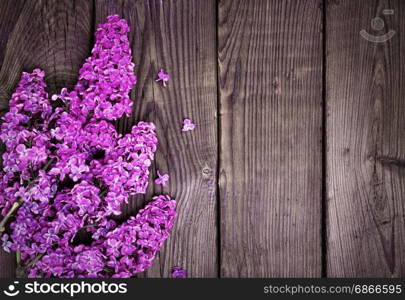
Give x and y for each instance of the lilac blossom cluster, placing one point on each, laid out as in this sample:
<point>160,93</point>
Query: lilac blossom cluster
<point>66,171</point>
<point>121,252</point>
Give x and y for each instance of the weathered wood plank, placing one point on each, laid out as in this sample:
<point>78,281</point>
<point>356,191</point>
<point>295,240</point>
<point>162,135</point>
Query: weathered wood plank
<point>52,35</point>
<point>270,61</point>
<point>9,12</point>
<point>178,36</point>
<point>366,141</point>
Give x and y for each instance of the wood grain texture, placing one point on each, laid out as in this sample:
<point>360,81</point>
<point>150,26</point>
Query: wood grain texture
<point>52,35</point>
<point>366,141</point>
<point>9,12</point>
<point>270,62</point>
<point>178,36</point>
<point>272,128</point>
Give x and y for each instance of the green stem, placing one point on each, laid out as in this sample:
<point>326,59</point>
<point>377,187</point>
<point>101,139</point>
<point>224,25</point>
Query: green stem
<point>10,213</point>
<point>34,261</point>
<point>48,163</point>
<point>102,193</point>
<point>18,256</point>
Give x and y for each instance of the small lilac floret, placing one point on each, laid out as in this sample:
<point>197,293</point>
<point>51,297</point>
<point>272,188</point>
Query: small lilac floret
<point>162,76</point>
<point>162,178</point>
<point>178,272</point>
<point>188,125</point>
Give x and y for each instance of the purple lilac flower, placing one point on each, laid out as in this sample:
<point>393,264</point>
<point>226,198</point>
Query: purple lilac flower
<point>178,272</point>
<point>6,244</point>
<point>107,76</point>
<point>162,178</point>
<point>124,251</point>
<point>27,140</point>
<point>162,76</point>
<point>188,125</point>
<point>142,236</point>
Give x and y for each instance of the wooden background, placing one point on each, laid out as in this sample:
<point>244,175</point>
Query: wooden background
<point>297,165</point>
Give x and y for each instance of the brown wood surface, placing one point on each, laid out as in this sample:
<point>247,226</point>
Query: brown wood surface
<point>366,141</point>
<point>8,18</point>
<point>270,62</point>
<point>178,36</point>
<point>297,165</point>
<point>52,35</point>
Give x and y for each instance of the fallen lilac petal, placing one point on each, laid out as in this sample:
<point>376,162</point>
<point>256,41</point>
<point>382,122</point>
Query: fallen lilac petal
<point>188,125</point>
<point>178,272</point>
<point>162,178</point>
<point>162,76</point>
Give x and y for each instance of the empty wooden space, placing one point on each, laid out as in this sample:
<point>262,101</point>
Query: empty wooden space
<point>365,142</point>
<point>270,62</point>
<point>297,164</point>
